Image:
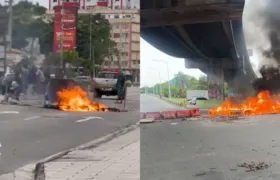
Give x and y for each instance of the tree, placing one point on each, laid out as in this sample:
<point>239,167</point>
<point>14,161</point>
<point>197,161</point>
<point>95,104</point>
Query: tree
<point>102,45</point>
<point>29,22</point>
<point>24,13</point>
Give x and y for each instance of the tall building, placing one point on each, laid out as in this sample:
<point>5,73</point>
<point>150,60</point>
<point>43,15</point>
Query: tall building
<point>91,4</point>
<point>126,33</point>
<point>125,23</point>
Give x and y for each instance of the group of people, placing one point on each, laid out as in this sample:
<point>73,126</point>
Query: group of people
<point>27,80</point>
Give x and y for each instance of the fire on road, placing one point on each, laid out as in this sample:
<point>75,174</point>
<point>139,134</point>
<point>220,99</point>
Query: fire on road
<point>76,99</point>
<point>263,103</point>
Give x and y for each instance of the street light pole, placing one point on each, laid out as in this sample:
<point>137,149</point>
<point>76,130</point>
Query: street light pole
<point>155,89</point>
<point>169,89</point>
<point>160,88</point>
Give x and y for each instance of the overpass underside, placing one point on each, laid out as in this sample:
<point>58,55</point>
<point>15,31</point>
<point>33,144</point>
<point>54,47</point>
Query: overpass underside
<point>209,37</point>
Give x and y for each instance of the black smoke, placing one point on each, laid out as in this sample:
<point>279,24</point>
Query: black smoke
<point>261,19</point>
<point>271,26</point>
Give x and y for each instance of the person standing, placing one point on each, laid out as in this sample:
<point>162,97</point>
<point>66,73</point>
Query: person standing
<point>32,80</point>
<point>40,81</point>
<point>24,80</point>
<point>120,87</point>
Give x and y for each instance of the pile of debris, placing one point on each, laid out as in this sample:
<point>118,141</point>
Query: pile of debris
<point>253,166</point>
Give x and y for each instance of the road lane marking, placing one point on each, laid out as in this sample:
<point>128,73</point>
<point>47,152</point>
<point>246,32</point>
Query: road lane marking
<point>31,118</point>
<point>89,118</point>
<point>9,112</point>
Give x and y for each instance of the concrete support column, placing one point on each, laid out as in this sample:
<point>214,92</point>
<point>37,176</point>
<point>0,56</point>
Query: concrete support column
<point>233,87</point>
<point>215,77</point>
<point>240,85</point>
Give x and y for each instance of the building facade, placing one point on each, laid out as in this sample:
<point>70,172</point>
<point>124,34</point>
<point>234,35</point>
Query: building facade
<point>125,31</point>
<point>91,4</point>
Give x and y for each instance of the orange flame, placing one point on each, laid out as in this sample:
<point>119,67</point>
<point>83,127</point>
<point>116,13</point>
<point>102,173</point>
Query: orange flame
<point>263,103</point>
<point>75,99</point>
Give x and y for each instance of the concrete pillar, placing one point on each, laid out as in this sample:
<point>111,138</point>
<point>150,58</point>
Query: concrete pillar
<point>232,87</point>
<point>240,85</point>
<point>215,77</point>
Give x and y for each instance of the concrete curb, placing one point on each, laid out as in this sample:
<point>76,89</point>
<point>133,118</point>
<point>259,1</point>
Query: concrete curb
<point>35,171</point>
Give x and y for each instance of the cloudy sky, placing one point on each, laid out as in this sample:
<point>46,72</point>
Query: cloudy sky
<point>151,69</point>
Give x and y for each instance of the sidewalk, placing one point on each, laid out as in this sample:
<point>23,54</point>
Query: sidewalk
<point>118,159</point>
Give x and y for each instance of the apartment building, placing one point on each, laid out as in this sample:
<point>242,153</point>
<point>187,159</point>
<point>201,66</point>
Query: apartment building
<point>91,4</point>
<point>126,33</point>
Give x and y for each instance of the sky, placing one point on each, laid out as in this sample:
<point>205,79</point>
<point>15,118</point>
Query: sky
<point>41,2</point>
<point>151,70</point>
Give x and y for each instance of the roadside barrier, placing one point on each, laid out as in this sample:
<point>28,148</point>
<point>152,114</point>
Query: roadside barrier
<point>155,115</point>
<point>183,114</point>
<point>168,115</point>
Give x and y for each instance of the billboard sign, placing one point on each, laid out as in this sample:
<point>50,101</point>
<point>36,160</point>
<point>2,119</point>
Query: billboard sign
<point>67,15</point>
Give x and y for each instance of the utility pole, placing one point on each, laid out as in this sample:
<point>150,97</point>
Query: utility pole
<point>10,25</point>
<point>5,56</point>
<point>8,36</point>
<point>169,88</point>
<point>91,48</point>
<point>62,37</point>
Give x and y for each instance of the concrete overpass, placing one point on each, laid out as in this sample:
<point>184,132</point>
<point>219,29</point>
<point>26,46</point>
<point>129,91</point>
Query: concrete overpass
<point>207,33</point>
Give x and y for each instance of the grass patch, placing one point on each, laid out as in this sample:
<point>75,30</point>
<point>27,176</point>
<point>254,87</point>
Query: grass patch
<point>179,100</point>
<point>209,103</point>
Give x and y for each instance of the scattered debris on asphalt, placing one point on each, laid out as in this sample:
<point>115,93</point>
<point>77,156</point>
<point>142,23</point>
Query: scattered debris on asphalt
<point>254,166</point>
<point>201,173</point>
<point>227,118</point>
<point>191,119</point>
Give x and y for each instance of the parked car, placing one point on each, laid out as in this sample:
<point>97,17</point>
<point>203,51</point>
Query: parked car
<point>83,81</point>
<point>193,100</point>
<point>105,84</point>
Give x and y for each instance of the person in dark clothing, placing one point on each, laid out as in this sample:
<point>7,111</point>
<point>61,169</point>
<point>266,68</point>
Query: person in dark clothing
<point>18,80</point>
<point>24,80</point>
<point>32,79</point>
<point>11,87</point>
<point>120,87</point>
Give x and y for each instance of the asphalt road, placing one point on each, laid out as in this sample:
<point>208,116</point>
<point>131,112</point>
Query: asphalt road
<point>153,104</point>
<point>28,134</point>
<point>210,150</point>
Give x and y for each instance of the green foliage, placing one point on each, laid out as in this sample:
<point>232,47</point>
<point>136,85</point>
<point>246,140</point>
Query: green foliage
<point>28,22</point>
<point>101,42</point>
<point>181,83</point>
